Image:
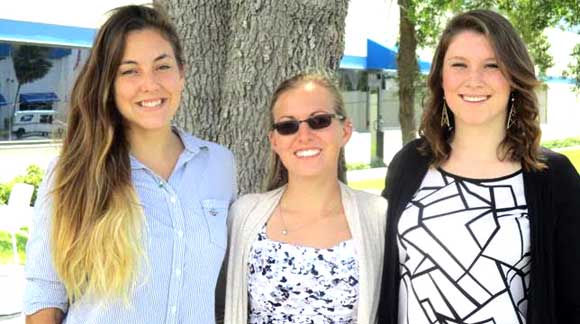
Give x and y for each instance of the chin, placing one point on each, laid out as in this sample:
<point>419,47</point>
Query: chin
<point>153,126</point>
<point>312,174</point>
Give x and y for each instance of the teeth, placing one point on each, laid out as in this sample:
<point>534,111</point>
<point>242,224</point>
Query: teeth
<point>152,103</point>
<point>474,98</point>
<point>307,153</point>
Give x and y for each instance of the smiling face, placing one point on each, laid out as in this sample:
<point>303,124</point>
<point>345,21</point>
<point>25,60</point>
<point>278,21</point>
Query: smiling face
<point>475,88</point>
<point>308,152</point>
<point>149,82</point>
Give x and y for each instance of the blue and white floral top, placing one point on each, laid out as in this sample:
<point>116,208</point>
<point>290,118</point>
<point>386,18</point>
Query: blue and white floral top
<point>297,284</point>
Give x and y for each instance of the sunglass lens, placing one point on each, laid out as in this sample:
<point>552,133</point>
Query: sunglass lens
<point>287,127</point>
<point>320,121</point>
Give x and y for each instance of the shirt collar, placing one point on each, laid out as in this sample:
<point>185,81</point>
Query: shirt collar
<point>192,146</point>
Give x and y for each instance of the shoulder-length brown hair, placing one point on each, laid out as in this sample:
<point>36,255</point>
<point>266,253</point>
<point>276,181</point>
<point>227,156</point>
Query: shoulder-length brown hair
<point>97,222</point>
<point>522,139</point>
<point>277,174</point>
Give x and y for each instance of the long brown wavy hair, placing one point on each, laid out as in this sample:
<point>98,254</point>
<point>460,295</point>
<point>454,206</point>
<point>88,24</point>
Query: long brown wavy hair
<point>522,139</point>
<point>97,239</point>
<point>277,174</point>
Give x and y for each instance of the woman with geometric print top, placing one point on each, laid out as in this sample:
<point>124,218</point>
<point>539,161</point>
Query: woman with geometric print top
<point>483,224</point>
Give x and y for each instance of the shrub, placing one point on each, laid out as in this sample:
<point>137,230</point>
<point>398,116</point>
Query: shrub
<point>572,141</point>
<point>357,166</point>
<point>6,254</point>
<point>33,177</point>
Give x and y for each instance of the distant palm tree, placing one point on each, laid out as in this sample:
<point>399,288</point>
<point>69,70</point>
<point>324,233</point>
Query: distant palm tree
<point>30,63</point>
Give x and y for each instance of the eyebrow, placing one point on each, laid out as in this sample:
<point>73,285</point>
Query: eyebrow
<point>158,58</point>
<point>318,112</point>
<point>465,59</point>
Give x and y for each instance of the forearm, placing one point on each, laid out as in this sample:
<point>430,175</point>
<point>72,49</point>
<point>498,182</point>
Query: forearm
<point>46,316</point>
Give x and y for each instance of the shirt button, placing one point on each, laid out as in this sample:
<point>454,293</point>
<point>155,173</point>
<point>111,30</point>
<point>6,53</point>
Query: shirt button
<point>160,184</point>
<point>173,200</point>
<point>173,309</point>
<point>180,233</point>
<point>178,272</point>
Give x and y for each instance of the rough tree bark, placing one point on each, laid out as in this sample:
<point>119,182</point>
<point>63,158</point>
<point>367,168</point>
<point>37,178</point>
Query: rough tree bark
<point>237,51</point>
<point>407,71</point>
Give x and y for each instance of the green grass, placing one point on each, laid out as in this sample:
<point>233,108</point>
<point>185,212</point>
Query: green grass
<point>6,256</point>
<point>574,156</point>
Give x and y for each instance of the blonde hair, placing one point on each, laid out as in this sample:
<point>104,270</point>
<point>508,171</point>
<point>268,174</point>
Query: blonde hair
<point>277,174</point>
<point>97,238</point>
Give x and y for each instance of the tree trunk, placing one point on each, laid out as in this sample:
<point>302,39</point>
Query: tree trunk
<point>237,52</point>
<point>407,69</point>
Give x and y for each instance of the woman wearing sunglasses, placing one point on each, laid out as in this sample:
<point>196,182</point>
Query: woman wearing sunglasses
<point>310,249</point>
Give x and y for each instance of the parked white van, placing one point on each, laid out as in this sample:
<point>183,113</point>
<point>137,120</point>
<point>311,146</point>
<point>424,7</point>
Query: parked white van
<point>35,122</point>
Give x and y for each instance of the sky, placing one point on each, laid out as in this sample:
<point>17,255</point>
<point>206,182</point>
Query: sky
<point>80,13</point>
<point>374,19</point>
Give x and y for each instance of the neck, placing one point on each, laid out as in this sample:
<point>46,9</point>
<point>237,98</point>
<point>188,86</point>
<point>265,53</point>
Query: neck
<point>312,193</point>
<point>480,144</point>
<point>149,146</point>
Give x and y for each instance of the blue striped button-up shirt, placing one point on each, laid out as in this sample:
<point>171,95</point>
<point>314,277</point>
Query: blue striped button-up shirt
<point>185,220</point>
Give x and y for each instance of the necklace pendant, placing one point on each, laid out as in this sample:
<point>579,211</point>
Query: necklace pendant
<point>284,232</point>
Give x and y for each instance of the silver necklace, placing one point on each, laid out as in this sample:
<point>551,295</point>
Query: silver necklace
<point>285,229</point>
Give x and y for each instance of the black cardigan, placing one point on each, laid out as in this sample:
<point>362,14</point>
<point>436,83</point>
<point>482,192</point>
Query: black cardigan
<point>553,199</point>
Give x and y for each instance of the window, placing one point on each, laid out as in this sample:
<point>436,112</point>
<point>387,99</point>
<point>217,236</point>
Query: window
<point>46,119</point>
<point>36,80</point>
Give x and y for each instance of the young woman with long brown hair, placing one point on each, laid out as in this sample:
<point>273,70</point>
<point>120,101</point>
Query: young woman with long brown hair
<point>483,224</point>
<point>128,228</point>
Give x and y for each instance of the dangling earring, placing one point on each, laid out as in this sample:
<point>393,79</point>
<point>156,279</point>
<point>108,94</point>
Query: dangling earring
<point>445,116</point>
<point>511,114</point>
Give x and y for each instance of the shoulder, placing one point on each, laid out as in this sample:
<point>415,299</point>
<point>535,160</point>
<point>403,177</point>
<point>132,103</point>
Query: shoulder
<point>195,143</point>
<point>250,206</point>
<point>249,201</point>
<point>246,200</point>
<point>411,151</point>
<point>371,203</point>
<point>556,162</point>
<point>560,170</point>
<point>368,198</point>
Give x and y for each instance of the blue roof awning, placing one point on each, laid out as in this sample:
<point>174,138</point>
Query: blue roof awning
<point>378,57</point>
<point>2,101</point>
<point>353,62</point>
<point>34,97</point>
<point>47,34</point>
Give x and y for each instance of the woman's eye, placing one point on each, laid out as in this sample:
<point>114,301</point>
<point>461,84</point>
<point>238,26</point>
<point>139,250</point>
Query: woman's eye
<point>164,67</point>
<point>459,65</point>
<point>128,72</point>
<point>492,66</point>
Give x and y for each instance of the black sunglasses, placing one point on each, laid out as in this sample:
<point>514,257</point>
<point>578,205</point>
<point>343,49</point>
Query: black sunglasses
<point>321,121</point>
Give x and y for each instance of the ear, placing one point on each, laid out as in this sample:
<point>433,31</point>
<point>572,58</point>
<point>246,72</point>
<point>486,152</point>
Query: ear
<point>346,131</point>
<point>273,141</point>
<point>182,77</point>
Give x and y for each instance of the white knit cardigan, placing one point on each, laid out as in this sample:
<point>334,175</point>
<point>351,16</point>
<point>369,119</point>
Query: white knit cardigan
<point>366,217</point>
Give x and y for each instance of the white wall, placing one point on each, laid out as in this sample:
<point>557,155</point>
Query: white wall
<point>563,112</point>
<point>14,159</point>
